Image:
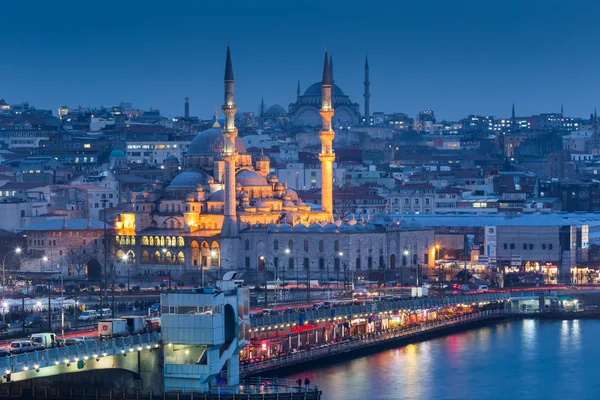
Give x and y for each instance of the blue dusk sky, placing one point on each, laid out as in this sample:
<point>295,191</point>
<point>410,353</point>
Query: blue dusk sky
<point>456,57</point>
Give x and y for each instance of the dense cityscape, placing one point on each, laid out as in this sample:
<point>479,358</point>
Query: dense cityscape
<point>323,248</point>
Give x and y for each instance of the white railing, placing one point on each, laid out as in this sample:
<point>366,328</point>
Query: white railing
<point>81,352</point>
<point>380,337</point>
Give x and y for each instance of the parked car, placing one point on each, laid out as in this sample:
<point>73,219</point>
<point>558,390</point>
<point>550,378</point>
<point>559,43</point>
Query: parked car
<point>35,321</point>
<point>88,315</point>
<point>44,340</point>
<point>65,342</point>
<point>23,346</point>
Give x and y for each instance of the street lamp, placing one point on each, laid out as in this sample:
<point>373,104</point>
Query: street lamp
<point>16,251</point>
<point>125,259</point>
<point>437,255</point>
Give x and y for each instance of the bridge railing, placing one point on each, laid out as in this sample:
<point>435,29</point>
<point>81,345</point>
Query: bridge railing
<point>80,352</point>
<point>376,307</point>
<point>357,343</point>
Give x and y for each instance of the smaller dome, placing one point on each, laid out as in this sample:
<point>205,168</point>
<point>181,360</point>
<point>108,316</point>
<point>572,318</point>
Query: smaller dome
<point>140,197</point>
<point>330,227</point>
<point>272,179</point>
<point>219,195</point>
<point>287,203</point>
<point>260,204</point>
<point>117,153</point>
<point>280,186</point>
<point>315,227</point>
<point>275,109</point>
<point>285,227</point>
<point>292,194</point>
<point>171,159</point>
<point>188,179</point>
<point>346,228</point>
<point>301,228</point>
<point>263,157</point>
<point>250,178</point>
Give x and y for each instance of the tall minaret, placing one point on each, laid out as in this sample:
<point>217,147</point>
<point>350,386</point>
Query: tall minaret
<point>326,135</point>
<point>230,155</point>
<point>595,127</point>
<point>261,118</point>
<point>367,95</point>
<point>186,108</point>
<point>298,93</point>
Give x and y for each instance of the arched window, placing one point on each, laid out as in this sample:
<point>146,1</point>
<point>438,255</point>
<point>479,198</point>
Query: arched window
<point>291,245</point>
<point>305,245</point>
<point>275,244</point>
<point>336,246</point>
<point>321,246</point>
<point>151,241</point>
<point>180,242</point>
<point>247,245</point>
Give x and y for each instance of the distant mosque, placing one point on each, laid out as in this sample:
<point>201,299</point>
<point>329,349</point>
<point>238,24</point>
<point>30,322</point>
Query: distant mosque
<point>305,111</point>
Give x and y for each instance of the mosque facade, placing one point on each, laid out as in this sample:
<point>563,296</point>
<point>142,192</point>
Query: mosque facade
<point>221,209</point>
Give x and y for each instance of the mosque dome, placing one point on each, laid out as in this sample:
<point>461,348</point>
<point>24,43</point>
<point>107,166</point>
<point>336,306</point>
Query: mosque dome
<point>117,153</point>
<point>140,197</point>
<point>210,142</point>
<point>219,195</point>
<point>315,227</point>
<point>250,178</point>
<point>189,179</point>
<point>287,204</point>
<point>316,88</point>
<point>330,227</point>
<point>171,159</point>
<point>291,194</point>
<point>275,109</point>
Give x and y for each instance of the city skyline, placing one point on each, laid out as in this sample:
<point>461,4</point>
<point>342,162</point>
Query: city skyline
<point>453,59</point>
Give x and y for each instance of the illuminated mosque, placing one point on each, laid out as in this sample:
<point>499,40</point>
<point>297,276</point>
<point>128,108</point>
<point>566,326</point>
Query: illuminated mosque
<point>222,209</point>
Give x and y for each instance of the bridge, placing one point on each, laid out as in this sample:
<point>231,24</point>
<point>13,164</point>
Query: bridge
<point>88,355</point>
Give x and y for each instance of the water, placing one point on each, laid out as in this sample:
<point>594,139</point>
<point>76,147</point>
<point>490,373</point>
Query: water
<point>526,359</point>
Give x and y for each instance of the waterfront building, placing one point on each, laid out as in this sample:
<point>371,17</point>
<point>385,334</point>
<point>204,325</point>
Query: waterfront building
<point>203,333</point>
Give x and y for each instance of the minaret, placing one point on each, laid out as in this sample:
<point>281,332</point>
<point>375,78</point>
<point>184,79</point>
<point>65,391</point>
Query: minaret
<point>298,93</point>
<point>326,135</point>
<point>595,127</point>
<point>562,110</point>
<point>229,152</point>
<point>512,116</point>
<point>367,95</point>
<point>261,119</point>
<point>186,108</point>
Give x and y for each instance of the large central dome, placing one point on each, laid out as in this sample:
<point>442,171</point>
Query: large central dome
<point>315,90</point>
<point>210,142</point>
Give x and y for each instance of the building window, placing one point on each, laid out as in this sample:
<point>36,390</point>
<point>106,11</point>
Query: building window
<point>305,245</point>
<point>550,246</point>
<point>291,245</point>
<point>416,202</point>
<point>505,246</point>
<point>406,202</point>
<point>291,263</point>
<point>543,246</point>
<point>275,244</point>
<point>370,262</point>
<point>524,246</point>
<point>336,246</point>
<point>306,263</point>
<point>427,201</point>
<point>275,262</point>
<point>321,246</point>
<point>247,245</point>
<point>512,246</point>
<point>336,264</point>
<point>358,263</point>
<point>530,246</point>
<point>247,262</point>
<point>321,263</point>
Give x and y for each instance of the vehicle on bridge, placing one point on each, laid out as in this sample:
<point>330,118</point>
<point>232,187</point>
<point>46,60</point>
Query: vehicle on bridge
<point>23,346</point>
<point>44,340</point>
<point>87,315</point>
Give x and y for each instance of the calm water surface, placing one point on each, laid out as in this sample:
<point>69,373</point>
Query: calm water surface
<point>527,359</point>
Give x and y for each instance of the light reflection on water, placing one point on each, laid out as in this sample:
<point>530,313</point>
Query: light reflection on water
<point>527,359</point>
